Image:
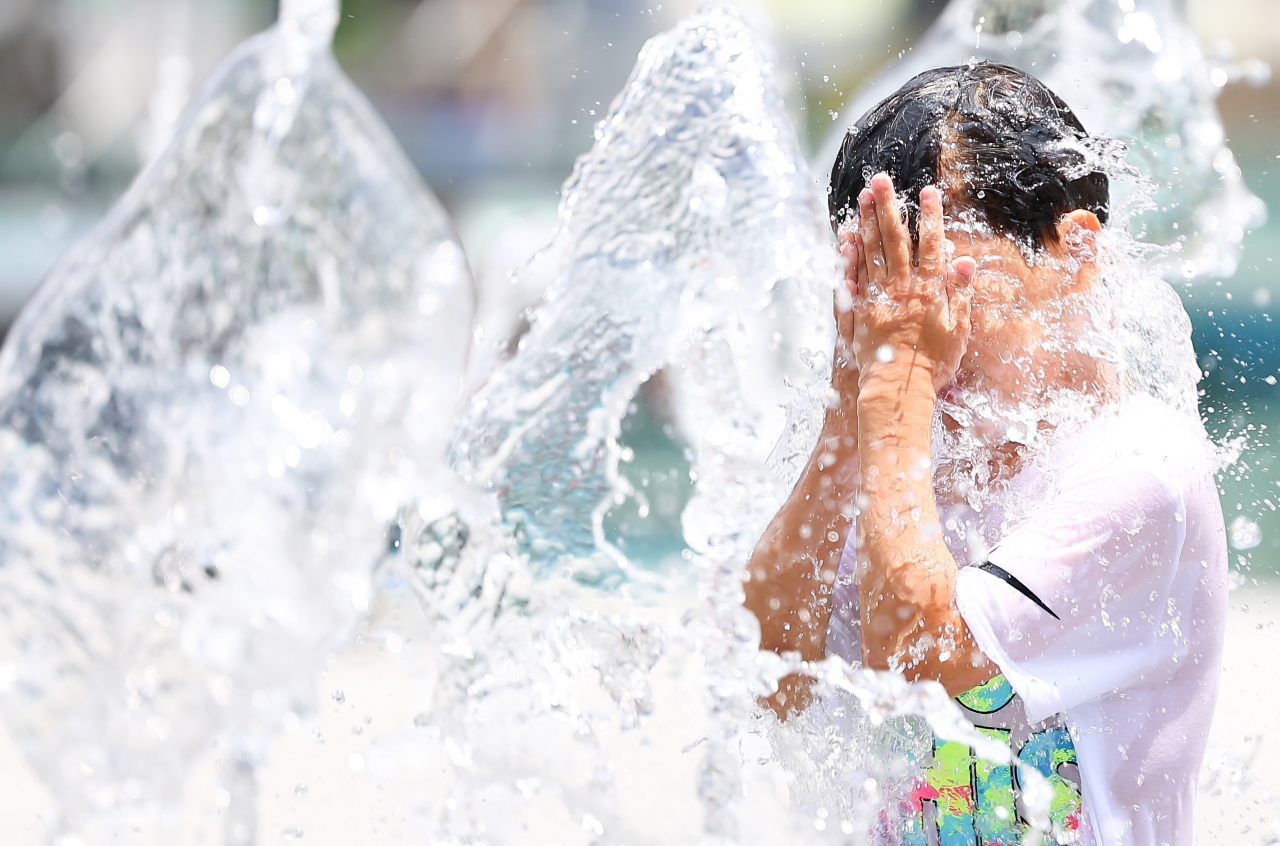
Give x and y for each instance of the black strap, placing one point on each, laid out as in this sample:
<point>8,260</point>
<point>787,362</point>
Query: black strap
<point>1016,583</point>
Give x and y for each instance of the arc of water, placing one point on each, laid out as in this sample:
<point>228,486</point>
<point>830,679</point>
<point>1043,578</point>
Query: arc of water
<point>691,239</point>
<point>692,217</point>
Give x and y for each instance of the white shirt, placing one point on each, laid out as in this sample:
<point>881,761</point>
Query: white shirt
<point>1118,531</point>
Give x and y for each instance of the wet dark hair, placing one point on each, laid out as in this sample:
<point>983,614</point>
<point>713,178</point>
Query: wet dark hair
<point>1006,148</point>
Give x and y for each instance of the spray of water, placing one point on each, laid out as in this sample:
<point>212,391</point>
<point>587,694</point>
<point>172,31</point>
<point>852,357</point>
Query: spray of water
<point>689,230</point>
<point>1132,71</point>
<point>222,396</point>
<point>207,414</point>
<point>690,241</point>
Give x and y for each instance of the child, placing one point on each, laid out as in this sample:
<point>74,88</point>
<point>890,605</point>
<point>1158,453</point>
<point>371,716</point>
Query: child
<point>1062,574</point>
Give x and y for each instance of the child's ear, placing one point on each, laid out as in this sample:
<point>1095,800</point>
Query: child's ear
<point>1078,236</point>
<point>1080,217</point>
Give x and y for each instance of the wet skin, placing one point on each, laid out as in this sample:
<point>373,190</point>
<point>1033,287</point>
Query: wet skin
<point>970,315</point>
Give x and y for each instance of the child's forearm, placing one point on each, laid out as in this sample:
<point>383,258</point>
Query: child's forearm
<point>906,573</point>
<point>792,570</point>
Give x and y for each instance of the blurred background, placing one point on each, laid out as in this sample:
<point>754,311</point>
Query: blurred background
<point>494,99</point>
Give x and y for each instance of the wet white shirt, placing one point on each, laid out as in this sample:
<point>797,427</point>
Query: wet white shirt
<point>1118,532</point>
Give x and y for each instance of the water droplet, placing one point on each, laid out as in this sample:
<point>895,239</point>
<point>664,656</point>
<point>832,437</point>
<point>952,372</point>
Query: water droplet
<point>221,376</point>
<point>885,354</point>
<point>300,790</point>
<point>592,825</point>
<point>1244,533</point>
<point>339,696</point>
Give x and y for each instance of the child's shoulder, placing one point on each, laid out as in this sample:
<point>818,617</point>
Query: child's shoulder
<point>1141,434</point>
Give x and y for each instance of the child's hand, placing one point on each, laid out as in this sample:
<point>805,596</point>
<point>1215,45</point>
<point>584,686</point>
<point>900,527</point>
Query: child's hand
<point>908,317</point>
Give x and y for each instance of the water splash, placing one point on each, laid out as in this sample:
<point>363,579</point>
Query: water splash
<point>1243,534</point>
<point>1138,328</point>
<point>690,241</point>
<point>689,226</point>
<point>573,696</point>
<point>1133,70</point>
<point>207,413</point>
<point>570,685</point>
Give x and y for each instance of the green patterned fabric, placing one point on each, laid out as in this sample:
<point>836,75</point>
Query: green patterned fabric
<point>963,800</point>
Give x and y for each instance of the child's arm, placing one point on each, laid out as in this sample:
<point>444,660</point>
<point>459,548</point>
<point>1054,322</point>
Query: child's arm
<point>913,326</point>
<point>792,570</point>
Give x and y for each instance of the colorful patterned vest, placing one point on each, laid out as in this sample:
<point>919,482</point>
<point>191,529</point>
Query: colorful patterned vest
<point>963,800</point>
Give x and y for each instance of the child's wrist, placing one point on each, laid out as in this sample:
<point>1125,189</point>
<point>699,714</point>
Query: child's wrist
<point>905,379</point>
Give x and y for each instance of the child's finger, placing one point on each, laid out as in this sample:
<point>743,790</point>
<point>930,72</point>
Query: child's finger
<point>959,294</point>
<point>844,312</point>
<point>864,273</point>
<point>965,267</point>
<point>844,239</point>
<point>894,239</point>
<point>855,266</point>
<point>869,244</point>
<point>843,299</point>
<point>930,254</point>
<point>959,307</point>
<point>846,292</point>
<point>848,247</point>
